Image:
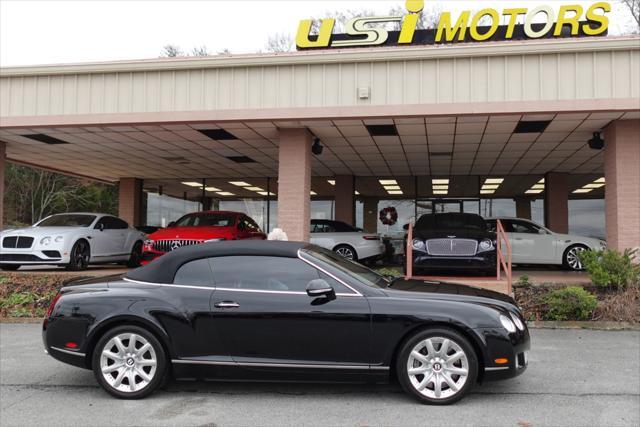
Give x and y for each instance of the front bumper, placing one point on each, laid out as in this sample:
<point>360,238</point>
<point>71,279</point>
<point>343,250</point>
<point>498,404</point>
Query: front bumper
<point>148,256</point>
<point>33,257</point>
<point>502,345</point>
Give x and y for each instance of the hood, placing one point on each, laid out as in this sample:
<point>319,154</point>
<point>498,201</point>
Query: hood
<point>409,288</point>
<point>195,233</point>
<point>460,233</point>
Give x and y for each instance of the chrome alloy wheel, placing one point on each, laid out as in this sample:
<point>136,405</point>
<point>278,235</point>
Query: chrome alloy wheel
<point>128,362</point>
<point>573,257</point>
<point>345,252</point>
<point>438,367</point>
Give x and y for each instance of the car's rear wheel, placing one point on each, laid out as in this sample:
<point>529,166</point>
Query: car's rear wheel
<point>80,255</point>
<point>437,366</point>
<point>9,267</point>
<point>129,362</point>
<point>136,256</point>
<point>571,258</point>
<point>346,251</point>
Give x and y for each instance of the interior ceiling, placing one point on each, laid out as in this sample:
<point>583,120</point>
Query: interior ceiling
<point>464,148</point>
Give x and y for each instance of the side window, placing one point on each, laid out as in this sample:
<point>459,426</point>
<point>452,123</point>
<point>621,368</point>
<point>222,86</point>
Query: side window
<point>194,273</point>
<point>254,226</point>
<point>102,223</point>
<point>265,273</point>
<point>337,286</point>
<point>524,227</point>
<point>119,224</point>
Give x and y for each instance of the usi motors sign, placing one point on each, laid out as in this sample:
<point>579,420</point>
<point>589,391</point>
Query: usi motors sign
<point>488,24</point>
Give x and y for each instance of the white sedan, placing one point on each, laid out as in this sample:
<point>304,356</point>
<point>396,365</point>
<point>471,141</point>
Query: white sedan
<point>73,240</point>
<point>346,240</point>
<point>532,243</point>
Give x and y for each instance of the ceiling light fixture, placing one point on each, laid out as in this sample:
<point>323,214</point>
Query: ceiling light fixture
<point>224,193</point>
<point>213,189</point>
<point>388,182</point>
<point>240,183</point>
<point>331,181</point>
<point>192,183</point>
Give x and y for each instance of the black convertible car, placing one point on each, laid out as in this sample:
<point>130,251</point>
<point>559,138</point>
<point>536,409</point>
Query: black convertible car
<point>283,311</point>
<point>453,241</point>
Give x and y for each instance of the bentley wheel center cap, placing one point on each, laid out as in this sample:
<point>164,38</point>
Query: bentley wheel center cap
<point>130,361</point>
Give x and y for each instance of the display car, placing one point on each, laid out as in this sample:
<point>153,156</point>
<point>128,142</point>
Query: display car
<point>531,243</point>
<point>199,227</point>
<point>283,311</point>
<point>348,241</point>
<point>453,241</point>
<point>73,240</point>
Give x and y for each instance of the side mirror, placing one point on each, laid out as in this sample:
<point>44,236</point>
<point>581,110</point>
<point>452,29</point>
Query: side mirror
<point>319,288</point>
<point>101,226</point>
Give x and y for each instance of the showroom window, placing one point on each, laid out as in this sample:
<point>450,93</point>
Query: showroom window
<point>163,209</point>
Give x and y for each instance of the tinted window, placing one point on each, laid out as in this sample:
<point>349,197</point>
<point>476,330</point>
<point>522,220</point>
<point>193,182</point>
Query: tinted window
<point>358,271</point>
<point>524,227</point>
<point>207,220</point>
<point>67,221</point>
<point>116,223</point>
<point>262,273</point>
<point>451,221</point>
<point>194,273</point>
<point>342,227</point>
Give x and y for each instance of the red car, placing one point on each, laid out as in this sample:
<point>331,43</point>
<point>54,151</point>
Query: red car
<point>199,227</point>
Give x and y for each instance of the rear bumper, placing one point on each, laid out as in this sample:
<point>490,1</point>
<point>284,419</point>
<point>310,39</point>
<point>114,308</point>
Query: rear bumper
<point>375,250</point>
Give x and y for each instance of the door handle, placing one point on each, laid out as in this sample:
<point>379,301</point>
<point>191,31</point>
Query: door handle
<point>226,304</point>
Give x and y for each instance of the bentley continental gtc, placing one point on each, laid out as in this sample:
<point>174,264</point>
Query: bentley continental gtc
<point>283,311</point>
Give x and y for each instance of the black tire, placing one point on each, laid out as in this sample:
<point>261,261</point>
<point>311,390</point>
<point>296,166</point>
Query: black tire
<point>80,256</point>
<point>9,267</point>
<point>136,255</point>
<point>159,374</point>
<point>568,257</point>
<point>343,250</point>
<point>448,395</point>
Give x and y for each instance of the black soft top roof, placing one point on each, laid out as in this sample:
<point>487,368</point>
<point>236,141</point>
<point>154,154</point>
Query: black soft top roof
<point>163,269</point>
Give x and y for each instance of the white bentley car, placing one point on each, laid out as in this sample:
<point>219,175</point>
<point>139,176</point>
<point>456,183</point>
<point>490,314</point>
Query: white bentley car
<point>532,243</point>
<point>346,240</point>
<point>73,240</point>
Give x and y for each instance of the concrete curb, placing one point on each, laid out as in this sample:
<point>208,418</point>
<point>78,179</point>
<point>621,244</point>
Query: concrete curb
<point>592,325</point>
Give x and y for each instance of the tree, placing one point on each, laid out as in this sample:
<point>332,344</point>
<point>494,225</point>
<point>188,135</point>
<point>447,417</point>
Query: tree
<point>634,8</point>
<point>279,42</point>
<point>200,51</point>
<point>171,51</point>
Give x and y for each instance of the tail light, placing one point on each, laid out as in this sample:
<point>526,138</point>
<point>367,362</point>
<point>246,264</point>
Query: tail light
<point>371,237</point>
<point>52,306</point>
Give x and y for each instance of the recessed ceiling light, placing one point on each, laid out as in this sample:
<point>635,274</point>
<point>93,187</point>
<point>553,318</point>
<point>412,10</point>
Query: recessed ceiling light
<point>224,193</point>
<point>594,185</point>
<point>541,181</point>
<point>532,126</point>
<point>239,183</point>
<point>533,191</point>
<point>490,186</point>
<point>583,190</point>
<point>192,183</point>
<point>538,187</point>
<point>382,130</point>
<point>212,189</point>
<point>265,193</point>
<point>494,180</point>
<point>487,191</point>
<point>440,181</point>
<point>441,187</point>
<point>313,193</point>
<point>440,192</point>
<point>388,181</point>
<point>357,193</point>
<point>254,188</point>
<point>331,181</point>
<point>600,180</point>
<point>395,192</point>
<point>392,187</point>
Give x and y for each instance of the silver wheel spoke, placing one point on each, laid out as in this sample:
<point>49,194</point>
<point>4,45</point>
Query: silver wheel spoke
<point>121,349</point>
<point>142,350</point>
<point>455,357</point>
<point>419,356</point>
<point>425,382</point>
<point>112,355</point>
<point>132,381</point>
<point>119,378</point>
<point>142,374</point>
<point>132,343</point>
<point>111,368</point>
<point>418,371</point>
<point>457,371</point>
<point>430,348</point>
<point>147,362</point>
<point>452,385</point>
<point>437,386</point>
<point>444,348</point>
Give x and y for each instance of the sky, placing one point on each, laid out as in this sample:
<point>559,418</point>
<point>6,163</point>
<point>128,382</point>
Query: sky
<point>53,32</point>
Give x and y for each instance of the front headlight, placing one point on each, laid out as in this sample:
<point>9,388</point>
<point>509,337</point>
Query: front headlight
<point>485,245</point>
<point>149,242</point>
<point>517,321</point>
<point>58,239</point>
<point>603,245</point>
<point>418,245</point>
<point>507,324</point>
<point>45,240</point>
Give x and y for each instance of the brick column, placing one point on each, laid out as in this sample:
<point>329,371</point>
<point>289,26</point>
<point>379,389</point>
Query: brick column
<point>370,215</point>
<point>523,207</point>
<point>3,150</point>
<point>345,199</point>
<point>622,192</point>
<point>294,183</point>
<point>556,202</point>
<point>130,201</point>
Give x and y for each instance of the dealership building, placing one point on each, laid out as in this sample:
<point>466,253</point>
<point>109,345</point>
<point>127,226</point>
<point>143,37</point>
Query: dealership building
<point>449,127</point>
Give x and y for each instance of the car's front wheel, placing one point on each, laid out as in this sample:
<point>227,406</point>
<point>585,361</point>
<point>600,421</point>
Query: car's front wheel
<point>571,258</point>
<point>437,366</point>
<point>129,362</point>
<point>136,256</point>
<point>80,255</point>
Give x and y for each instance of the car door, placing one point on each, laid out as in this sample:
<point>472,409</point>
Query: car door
<point>122,235</point>
<point>321,235</point>
<point>530,243</point>
<point>264,315</point>
<point>108,239</point>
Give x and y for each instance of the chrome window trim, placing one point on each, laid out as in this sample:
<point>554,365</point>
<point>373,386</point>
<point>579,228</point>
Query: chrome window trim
<point>356,294</point>
<point>170,285</point>
<point>278,365</point>
<point>75,353</point>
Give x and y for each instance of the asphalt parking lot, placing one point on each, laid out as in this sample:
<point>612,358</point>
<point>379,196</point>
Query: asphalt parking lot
<point>575,378</point>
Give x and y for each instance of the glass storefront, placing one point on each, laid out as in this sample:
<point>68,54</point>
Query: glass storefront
<point>162,209</point>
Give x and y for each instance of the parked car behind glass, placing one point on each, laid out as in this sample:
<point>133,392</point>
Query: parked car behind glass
<point>532,243</point>
<point>73,240</point>
<point>199,227</point>
<point>453,241</point>
<point>348,241</point>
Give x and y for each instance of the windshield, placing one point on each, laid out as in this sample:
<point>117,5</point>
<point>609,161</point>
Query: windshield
<point>452,221</point>
<point>207,220</point>
<point>67,220</point>
<point>357,271</point>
